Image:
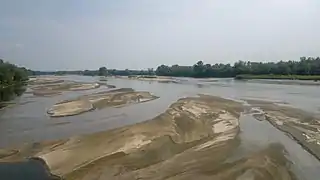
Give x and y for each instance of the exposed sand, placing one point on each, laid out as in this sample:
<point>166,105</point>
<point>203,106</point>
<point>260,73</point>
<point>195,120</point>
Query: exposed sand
<point>119,97</point>
<point>285,82</point>
<point>44,80</point>
<point>58,88</point>
<point>303,126</point>
<point>7,153</point>
<point>103,78</point>
<point>85,86</point>
<point>51,86</point>
<point>46,93</point>
<point>70,108</point>
<point>190,140</point>
<point>162,79</point>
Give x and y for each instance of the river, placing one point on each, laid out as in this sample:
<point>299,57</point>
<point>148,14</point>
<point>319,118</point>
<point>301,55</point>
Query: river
<point>27,121</point>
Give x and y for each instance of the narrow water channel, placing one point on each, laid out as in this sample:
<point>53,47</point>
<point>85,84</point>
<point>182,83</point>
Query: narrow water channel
<point>256,135</point>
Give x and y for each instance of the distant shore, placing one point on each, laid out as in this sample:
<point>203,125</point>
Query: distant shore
<point>279,77</point>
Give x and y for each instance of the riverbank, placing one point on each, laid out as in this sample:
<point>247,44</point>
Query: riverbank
<point>9,93</point>
<point>161,79</point>
<point>302,126</point>
<point>278,77</point>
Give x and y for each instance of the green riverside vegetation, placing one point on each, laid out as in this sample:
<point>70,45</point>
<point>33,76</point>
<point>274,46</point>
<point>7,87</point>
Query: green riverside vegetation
<point>307,68</point>
<point>11,74</point>
<point>12,81</point>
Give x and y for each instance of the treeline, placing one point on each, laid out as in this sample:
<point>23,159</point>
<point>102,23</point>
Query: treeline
<point>102,71</point>
<point>306,66</point>
<point>11,74</point>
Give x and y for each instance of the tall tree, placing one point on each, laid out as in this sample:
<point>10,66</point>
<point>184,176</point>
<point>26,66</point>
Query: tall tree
<point>102,71</point>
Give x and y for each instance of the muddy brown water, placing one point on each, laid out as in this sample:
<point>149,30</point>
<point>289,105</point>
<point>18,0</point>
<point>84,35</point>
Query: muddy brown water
<point>28,122</point>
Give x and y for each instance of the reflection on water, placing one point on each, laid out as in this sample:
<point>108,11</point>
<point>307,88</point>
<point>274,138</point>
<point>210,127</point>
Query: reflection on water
<point>10,92</point>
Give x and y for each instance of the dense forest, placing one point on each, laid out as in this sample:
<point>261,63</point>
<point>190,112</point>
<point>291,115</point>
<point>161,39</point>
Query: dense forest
<point>11,74</point>
<point>307,66</point>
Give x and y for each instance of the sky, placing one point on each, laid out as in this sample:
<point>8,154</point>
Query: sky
<point>140,34</point>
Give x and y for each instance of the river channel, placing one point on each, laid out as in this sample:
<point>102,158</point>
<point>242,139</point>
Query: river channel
<point>27,121</point>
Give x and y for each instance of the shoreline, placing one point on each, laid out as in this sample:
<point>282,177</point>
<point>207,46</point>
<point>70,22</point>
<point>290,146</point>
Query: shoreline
<point>301,126</point>
<point>278,77</point>
<point>302,143</point>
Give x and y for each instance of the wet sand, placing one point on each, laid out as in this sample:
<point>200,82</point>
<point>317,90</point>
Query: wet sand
<point>52,86</point>
<point>192,139</point>
<point>55,89</point>
<point>302,126</point>
<point>113,98</point>
<point>44,80</point>
<point>285,82</point>
<point>161,79</point>
<point>203,137</point>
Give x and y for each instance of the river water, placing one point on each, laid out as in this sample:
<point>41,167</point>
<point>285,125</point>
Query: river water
<point>28,121</point>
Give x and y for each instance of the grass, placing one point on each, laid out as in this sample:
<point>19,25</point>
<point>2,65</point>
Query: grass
<point>272,76</point>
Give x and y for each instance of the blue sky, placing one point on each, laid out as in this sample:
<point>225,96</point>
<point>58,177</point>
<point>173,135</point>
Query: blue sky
<point>134,34</point>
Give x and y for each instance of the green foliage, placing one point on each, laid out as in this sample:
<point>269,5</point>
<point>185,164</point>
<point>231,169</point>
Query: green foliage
<point>11,74</point>
<point>128,72</point>
<point>102,71</point>
<point>305,67</point>
<point>10,92</point>
<point>90,73</point>
<point>198,70</point>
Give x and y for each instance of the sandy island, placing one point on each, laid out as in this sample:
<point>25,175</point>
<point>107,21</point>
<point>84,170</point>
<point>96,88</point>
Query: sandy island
<point>191,140</point>
<point>51,86</point>
<point>161,79</point>
<point>113,98</point>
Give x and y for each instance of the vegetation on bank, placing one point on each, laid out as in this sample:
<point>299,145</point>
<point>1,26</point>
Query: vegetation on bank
<point>279,77</point>
<point>100,72</point>
<point>9,93</point>
<point>12,78</point>
<point>307,68</point>
<point>11,74</point>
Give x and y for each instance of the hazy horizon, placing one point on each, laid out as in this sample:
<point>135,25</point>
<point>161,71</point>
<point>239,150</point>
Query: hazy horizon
<point>140,34</point>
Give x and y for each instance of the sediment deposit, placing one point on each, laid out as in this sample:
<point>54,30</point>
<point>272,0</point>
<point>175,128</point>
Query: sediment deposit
<point>113,98</point>
<point>190,140</point>
<point>51,86</point>
<point>302,126</point>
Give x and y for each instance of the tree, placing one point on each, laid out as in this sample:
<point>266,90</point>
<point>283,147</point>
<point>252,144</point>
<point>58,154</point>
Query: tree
<point>151,71</point>
<point>163,70</point>
<point>306,66</point>
<point>102,71</point>
<point>11,74</point>
<point>199,69</point>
